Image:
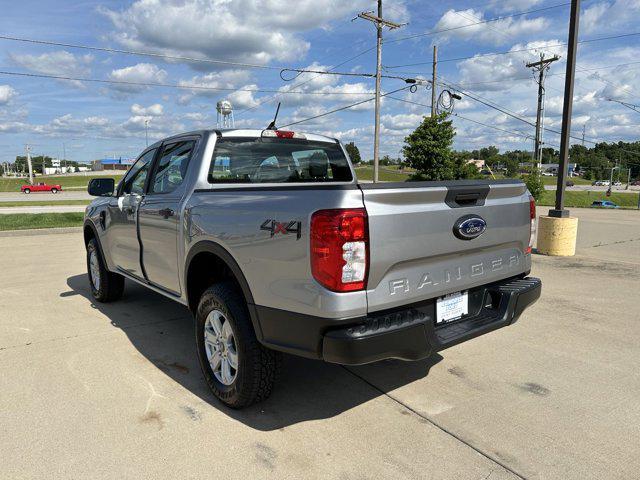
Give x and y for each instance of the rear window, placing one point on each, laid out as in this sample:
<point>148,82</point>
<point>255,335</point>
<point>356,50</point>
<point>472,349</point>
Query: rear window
<point>277,160</point>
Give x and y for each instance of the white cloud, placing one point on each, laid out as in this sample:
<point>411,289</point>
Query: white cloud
<point>61,63</point>
<point>494,33</point>
<point>491,73</point>
<point>513,5</point>
<point>242,30</point>
<point>607,16</point>
<point>96,121</point>
<point>7,93</point>
<point>154,110</point>
<point>139,73</point>
<point>217,84</point>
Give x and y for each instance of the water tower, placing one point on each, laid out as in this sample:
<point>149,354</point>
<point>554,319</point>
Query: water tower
<point>225,114</point>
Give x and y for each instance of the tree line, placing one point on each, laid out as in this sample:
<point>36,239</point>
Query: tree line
<point>428,150</point>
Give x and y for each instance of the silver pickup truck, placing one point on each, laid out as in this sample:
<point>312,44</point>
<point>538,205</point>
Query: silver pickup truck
<point>269,239</point>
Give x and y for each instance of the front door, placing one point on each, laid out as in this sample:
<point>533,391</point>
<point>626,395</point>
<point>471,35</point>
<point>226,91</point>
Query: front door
<point>122,233</point>
<point>159,214</point>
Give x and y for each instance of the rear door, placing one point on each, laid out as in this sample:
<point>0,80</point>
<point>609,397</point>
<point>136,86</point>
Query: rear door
<point>415,253</point>
<point>160,216</point>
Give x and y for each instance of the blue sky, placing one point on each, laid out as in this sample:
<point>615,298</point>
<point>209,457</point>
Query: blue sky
<point>95,120</point>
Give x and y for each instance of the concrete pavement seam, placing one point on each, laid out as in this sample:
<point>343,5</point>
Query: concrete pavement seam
<point>438,426</point>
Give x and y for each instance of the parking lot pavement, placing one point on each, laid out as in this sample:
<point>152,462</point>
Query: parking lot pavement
<point>114,391</point>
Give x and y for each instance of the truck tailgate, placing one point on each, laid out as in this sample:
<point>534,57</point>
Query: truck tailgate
<point>414,254</point>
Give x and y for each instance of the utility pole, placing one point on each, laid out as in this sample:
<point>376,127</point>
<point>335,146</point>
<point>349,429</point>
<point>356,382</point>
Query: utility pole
<point>541,67</point>
<point>572,49</point>
<point>64,158</point>
<point>379,22</point>
<point>433,81</point>
<point>28,150</point>
<point>146,131</point>
<point>584,127</point>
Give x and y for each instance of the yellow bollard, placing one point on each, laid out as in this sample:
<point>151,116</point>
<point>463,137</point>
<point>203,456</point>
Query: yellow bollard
<point>557,236</point>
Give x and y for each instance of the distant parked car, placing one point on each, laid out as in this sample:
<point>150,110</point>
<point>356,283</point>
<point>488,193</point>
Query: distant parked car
<point>40,187</point>
<point>635,183</point>
<point>570,183</point>
<point>547,174</point>
<point>604,204</point>
<point>617,184</point>
<point>601,183</point>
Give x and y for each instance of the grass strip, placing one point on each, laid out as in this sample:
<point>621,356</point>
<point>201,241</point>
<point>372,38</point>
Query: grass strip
<point>26,221</point>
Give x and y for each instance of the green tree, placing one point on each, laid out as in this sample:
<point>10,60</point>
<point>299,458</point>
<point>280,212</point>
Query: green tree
<point>513,167</point>
<point>428,150</point>
<point>488,152</point>
<point>353,152</point>
<point>534,184</point>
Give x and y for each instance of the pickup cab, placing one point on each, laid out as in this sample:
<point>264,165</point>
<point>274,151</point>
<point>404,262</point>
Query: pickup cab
<point>271,242</point>
<point>40,187</point>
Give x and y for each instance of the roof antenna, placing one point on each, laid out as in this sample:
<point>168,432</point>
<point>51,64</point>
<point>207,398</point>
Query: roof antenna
<point>272,125</point>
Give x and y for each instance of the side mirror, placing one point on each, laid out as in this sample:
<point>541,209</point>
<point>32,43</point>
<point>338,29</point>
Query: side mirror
<point>101,187</point>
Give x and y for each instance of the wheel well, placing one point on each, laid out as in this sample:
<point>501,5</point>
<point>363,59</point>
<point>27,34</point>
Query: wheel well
<point>204,270</point>
<point>88,234</point>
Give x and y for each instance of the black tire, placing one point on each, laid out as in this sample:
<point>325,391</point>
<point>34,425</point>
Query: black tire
<point>27,191</point>
<point>110,285</point>
<point>258,366</point>
<point>54,190</point>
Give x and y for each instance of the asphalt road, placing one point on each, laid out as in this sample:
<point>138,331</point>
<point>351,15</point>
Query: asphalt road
<point>45,196</point>
<point>114,391</point>
<point>593,188</point>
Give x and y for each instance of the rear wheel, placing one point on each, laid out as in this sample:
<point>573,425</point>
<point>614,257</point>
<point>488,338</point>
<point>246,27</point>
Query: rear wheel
<point>105,286</point>
<point>27,191</point>
<point>237,368</point>
<point>54,190</point>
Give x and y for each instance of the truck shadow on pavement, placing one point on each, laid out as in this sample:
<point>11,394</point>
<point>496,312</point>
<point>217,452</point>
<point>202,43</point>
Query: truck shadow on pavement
<point>162,331</point>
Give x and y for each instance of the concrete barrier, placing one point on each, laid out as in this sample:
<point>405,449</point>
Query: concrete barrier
<point>557,236</point>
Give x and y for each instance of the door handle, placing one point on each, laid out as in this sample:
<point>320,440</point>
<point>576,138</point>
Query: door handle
<point>166,213</point>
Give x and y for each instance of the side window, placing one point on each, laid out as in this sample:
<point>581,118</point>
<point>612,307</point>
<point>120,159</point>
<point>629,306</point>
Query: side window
<point>136,176</point>
<point>172,166</point>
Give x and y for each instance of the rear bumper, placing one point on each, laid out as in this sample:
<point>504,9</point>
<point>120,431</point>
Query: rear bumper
<point>408,333</point>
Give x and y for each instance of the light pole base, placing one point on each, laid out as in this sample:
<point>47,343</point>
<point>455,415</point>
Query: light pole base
<point>559,213</point>
<point>557,236</point>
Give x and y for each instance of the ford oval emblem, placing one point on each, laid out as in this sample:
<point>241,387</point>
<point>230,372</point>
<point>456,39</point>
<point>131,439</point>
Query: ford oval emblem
<point>469,227</point>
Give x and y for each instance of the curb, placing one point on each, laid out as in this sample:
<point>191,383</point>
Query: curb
<point>39,231</point>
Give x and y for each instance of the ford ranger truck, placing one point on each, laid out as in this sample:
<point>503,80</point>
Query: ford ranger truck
<point>271,242</point>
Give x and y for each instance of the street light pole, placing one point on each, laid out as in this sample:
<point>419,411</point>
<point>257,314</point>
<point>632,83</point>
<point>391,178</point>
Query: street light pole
<point>146,131</point>
<point>559,210</point>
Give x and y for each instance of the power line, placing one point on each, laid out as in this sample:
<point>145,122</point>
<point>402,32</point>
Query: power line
<point>558,74</point>
<point>138,53</point>
<point>511,132</point>
<point>481,22</point>
<point>343,108</point>
<point>514,115</point>
<point>269,99</point>
<point>509,52</point>
<point>635,108</point>
<point>172,85</point>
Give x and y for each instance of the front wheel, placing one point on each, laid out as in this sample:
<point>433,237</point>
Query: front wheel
<point>105,286</point>
<point>27,191</point>
<point>54,190</point>
<point>237,368</point>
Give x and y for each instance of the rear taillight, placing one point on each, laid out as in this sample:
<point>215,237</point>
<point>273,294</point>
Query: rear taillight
<point>532,230</point>
<point>340,248</point>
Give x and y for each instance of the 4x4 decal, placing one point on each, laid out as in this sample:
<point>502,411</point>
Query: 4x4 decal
<point>282,227</point>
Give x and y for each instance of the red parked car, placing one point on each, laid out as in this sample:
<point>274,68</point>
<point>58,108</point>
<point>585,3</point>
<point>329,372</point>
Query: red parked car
<point>40,187</point>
